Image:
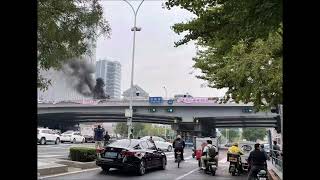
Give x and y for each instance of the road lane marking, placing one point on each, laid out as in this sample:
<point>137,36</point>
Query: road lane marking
<point>180,177</point>
<point>68,173</point>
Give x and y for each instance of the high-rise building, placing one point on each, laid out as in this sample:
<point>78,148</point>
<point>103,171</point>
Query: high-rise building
<point>110,72</point>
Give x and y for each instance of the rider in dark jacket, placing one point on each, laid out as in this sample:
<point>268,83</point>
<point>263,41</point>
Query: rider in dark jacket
<point>257,160</point>
<point>178,145</point>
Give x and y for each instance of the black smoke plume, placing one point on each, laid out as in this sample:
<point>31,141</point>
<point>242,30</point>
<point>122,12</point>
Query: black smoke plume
<point>98,92</point>
<point>80,74</point>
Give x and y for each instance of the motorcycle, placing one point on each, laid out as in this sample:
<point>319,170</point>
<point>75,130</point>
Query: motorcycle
<point>262,175</point>
<point>235,167</point>
<point>178,160</point>
<point>211,167</point>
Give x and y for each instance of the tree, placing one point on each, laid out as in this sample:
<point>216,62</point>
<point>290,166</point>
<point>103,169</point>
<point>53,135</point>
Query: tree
<point>122,129</point>
<point>239,47</point>
<point>252,134</point>
<point>66,29</point>
<point>234,134</point>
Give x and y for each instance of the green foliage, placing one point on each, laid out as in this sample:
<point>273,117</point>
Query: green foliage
<point>240,47</point>
<point>141,129</point>
<point>122,129</point>
<point>252,134</point>
<point>82,154</point>
<point>65,30</point>
<point>234,134</point>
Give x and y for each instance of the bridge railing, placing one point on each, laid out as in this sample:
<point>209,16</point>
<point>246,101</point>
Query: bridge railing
<point>276,159</point>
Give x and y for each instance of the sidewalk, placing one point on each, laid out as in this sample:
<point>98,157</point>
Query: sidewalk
<point>274,169</point>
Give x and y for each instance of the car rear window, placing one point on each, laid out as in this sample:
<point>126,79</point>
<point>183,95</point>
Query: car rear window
<point>125,143</point>
<point>68,132</point>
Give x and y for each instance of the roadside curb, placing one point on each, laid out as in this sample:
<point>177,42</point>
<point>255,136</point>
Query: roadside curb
<point>63,166</point>
<point>67,173</point>
<point>55,169</point>
<point>272,175</point>
<point>76,164</point>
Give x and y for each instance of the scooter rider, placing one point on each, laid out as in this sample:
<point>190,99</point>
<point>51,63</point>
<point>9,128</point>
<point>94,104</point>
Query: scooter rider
<point>234,149</point>
<point>178,145</point>
<point>206,156</point>
<point>257,160</point>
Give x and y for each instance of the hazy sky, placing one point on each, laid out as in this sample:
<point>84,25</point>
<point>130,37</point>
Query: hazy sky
<point>157,62</point>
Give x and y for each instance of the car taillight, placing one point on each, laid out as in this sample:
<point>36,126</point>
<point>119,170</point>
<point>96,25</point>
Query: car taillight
<point>127,153</point>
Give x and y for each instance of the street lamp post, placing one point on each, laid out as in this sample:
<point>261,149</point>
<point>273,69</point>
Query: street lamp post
<point>134,29</point>
<point>165,89</point>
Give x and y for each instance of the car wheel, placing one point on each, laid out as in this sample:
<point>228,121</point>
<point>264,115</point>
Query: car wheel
<point>142,168</point>
<point>163,163</point>
<point>105,169</point>
<point>169,148</point>
<point>74,141</point>
<point>57,141</point>
<point>43,141</point>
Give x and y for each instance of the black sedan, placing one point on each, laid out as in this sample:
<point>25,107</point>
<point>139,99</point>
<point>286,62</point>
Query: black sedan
<point>135,154</point>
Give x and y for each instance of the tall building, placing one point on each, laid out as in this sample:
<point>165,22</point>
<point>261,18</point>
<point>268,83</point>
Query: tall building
<point>110,72</point>
<point>60,90</point>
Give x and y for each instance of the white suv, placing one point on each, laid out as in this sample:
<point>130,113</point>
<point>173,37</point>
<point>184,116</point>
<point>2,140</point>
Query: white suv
<point>72,136</point>
<point>47,135</point>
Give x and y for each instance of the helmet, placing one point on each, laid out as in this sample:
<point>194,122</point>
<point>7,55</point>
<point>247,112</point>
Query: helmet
<point>179,137</point>
<point>235,144</point>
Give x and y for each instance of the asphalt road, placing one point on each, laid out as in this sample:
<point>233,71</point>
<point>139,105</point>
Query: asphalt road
<point>188,170</point>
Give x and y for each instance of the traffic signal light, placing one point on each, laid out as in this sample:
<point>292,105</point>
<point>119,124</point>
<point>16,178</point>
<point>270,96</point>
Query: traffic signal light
<point>247,110</point>
<point>278,124</point>
<point>170,110</point>
<point>275,110</point>
<point>153,110</point>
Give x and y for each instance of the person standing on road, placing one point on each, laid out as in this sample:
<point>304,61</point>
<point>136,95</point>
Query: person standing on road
<point>257,160</point>
<point>178,145</point>
<point>106,138</point>
<point>275,152</point>
<point>98,137</point>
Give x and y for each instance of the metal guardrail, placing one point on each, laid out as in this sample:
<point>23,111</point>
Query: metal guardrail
<point>276,159</point>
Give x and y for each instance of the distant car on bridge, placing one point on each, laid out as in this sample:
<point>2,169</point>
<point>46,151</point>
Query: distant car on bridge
<point>160,143</point>
<point>72,136</point>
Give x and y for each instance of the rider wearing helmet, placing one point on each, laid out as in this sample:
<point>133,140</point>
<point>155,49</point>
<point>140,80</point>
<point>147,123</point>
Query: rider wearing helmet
<point>178,145</point>
<point>234,149</point>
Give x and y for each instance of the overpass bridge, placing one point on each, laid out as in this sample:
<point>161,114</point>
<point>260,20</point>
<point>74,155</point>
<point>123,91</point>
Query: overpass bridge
<point>198,117</point>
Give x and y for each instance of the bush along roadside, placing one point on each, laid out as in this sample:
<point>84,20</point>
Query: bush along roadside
<point>82,154</point>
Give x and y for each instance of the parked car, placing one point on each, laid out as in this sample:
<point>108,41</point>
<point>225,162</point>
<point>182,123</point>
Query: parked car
<point>88,138</point>
<point>135,154</point>
<point>72,136</point>
<point>160,143</point>
<point>47,135</point>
